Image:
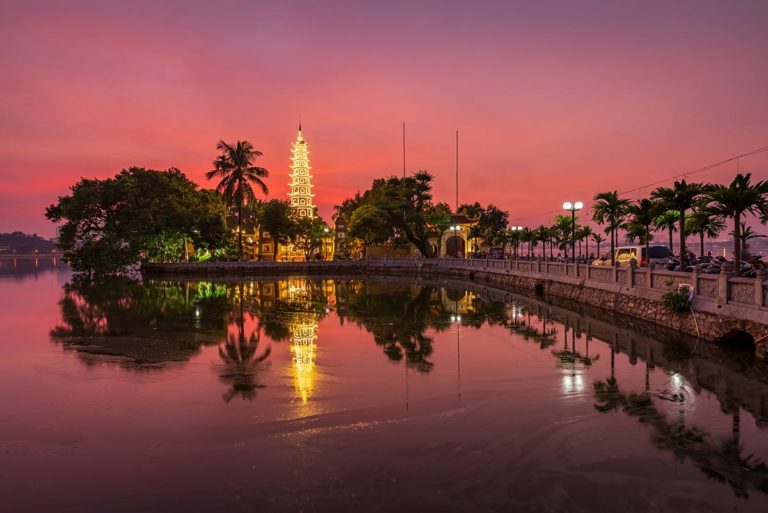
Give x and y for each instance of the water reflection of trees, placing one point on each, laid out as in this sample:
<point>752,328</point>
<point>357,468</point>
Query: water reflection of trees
<point>241,359</point>
<point>721,460</point>
<point>139,325</point>
<point>398,318</point>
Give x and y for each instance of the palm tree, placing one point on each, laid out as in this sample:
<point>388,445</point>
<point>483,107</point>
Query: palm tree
<point>704,224</point>
<point>584,233</point>
<point>475,231</point>
<point>610,209</point>
<point>734,201</point>
<point>667,221</point>
<point>542,234</point>
<point>562,227</point>
<point>598,239</point>
<point>237,172</point>
<point>747,233</point>
<point>643,214</point>
<point>682,196</point>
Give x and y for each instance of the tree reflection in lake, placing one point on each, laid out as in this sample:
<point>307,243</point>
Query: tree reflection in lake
<point>140,325</point>
<point>398,318</point>
<point>722,460</point>
<point>147,325</point>
<point>240,356</point>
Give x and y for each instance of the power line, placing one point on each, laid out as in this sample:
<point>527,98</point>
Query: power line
<point>679,175</point>
<point>699,170</point>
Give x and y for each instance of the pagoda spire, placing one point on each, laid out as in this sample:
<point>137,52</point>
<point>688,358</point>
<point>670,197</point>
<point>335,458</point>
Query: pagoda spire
<point>301,195</point>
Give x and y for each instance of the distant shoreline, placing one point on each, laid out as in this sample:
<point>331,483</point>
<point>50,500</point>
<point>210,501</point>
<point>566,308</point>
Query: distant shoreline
<point>11,256</point>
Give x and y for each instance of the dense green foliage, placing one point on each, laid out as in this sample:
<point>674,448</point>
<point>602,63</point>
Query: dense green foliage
<point>139,215</point>
<point>399,211</point>
<point>309,235</point>
<point>276,218</point>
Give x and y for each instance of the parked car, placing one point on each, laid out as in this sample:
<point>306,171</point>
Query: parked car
<point>496,253</point>
<point>625,254</point>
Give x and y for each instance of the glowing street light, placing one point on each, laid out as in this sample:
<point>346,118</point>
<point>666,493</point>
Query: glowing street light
<point>515,231</point>
<point>573,207</point>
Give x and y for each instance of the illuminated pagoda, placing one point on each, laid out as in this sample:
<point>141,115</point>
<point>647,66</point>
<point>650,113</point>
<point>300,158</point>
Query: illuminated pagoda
<point>301,195</point>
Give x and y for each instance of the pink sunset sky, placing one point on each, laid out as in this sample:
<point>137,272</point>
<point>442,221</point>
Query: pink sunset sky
<point>553,100</point>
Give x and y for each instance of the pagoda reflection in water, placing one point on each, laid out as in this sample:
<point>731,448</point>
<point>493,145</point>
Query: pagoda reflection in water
<point>309,302</point>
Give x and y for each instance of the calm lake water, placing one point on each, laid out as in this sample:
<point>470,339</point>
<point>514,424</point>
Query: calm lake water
<point>339,395</point>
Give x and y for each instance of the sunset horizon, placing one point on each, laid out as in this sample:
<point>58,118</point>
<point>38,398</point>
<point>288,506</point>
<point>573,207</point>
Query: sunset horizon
<point>553,94</point>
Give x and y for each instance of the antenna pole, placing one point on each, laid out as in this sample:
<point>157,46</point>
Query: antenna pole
<point>457,170</point>
<point>403,149</point>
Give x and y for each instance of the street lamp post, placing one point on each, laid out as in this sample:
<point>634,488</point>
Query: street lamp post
<point>573,207</point>
<point>456,231</point>
<point>516,232</point>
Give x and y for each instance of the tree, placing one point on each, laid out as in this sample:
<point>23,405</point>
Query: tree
<point>563,227</point>
<point>370,225</point>
<point>682,196</point>
<point>276,217</point>
<point>704,224</point>
<point>440,219</point>
<point>734,201</point>
<point>237,172</point>
<point>475,232</point>
<point>309,234</point>
<point>609,209</point>
<point>542,235</point>
<point>406,204</point>
<point>746,234</point>
<point>493,222</point>
<point>583,234</point>
<point>598,240</point>
<point>210,231</point>
<point>642,215</point>
<point>667,221</point>
<point>139,215</point>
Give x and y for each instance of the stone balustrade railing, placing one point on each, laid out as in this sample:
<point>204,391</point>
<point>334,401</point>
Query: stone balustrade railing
<point>721,288</point>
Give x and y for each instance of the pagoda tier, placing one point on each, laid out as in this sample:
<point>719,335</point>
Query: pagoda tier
<point>301,181</point>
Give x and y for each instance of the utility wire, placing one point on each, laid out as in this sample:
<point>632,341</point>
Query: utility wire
<point>679,175</point>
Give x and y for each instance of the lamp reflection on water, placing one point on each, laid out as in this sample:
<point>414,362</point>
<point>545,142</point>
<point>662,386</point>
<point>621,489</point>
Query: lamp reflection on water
<point>573,383</point>
<point>303,336</point>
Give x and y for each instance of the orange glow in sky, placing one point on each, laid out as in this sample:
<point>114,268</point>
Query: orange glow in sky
<point>554,100</point>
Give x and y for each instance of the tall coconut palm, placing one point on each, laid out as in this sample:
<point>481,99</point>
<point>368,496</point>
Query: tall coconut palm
<point>584,233</point>
<point>542,234</point>
<point>682,196</point>
<point>237,172</point>
<point>643,214</point>
<point>705,225</point>
<point>563,227</point>
<point>736,200</point>
<point>667,221</point>
<point>747,234</point>
<point>598,240</point>
<point>609,209</point>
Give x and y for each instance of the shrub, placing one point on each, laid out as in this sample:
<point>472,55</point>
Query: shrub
<point>676,300</point>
